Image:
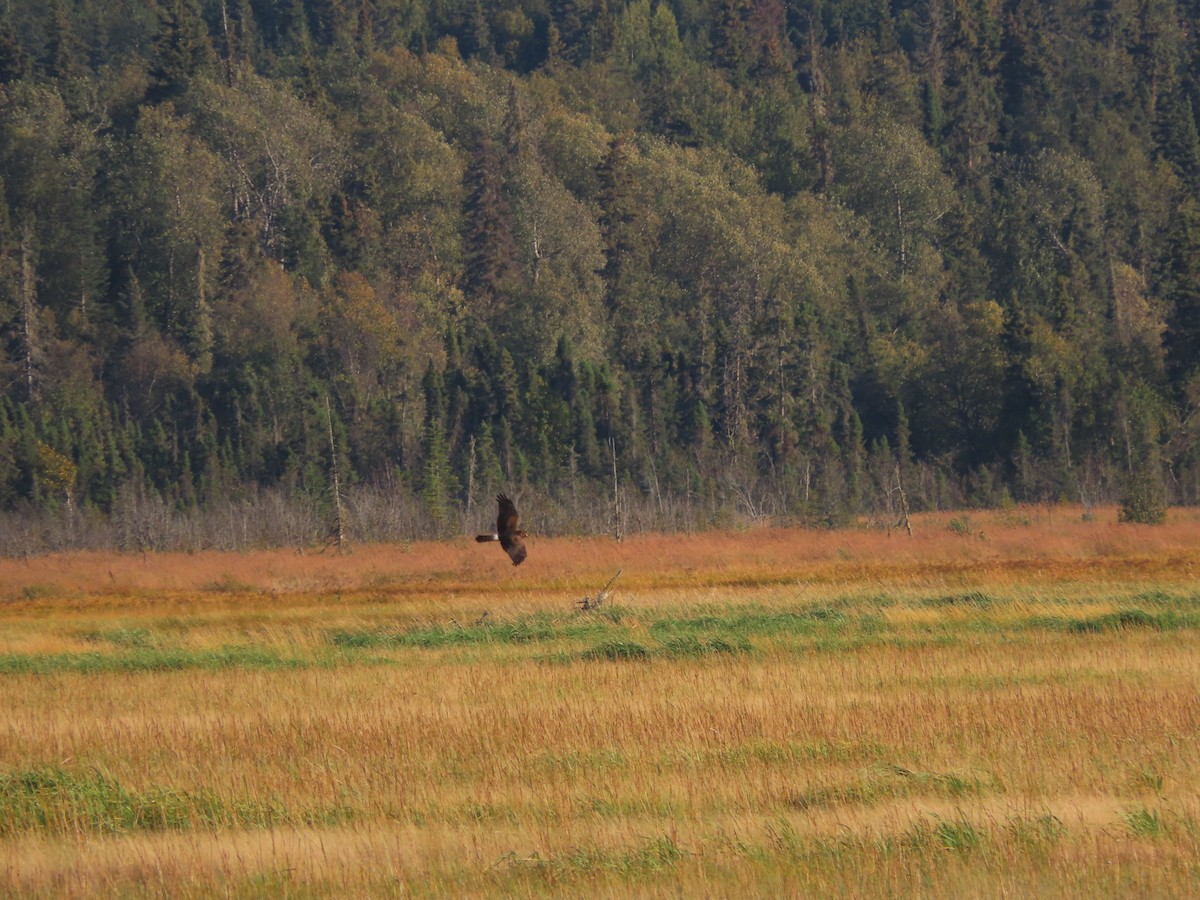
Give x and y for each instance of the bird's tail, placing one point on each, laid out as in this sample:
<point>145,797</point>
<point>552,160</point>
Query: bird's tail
<point>484,538</point>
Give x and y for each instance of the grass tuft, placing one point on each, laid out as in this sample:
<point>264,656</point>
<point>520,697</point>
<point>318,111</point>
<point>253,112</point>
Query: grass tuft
<point>1037,834</point>
<point>1146,823</point>
<point>960,836</point>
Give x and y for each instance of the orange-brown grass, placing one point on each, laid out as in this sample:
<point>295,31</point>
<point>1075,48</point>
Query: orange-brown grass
<point>1022,545</point>
<point>1000,706</point>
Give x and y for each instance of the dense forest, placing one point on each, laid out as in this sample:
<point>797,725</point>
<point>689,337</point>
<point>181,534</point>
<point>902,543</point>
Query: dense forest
<point>275,268</point>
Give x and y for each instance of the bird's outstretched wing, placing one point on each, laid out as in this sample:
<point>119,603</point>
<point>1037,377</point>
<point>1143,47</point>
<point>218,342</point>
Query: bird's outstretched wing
<point>508,530</point>
<point>508,519</point>
<point>514,546</point>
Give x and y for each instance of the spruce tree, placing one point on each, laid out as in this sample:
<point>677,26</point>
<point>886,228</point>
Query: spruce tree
<point>1181,287</point>
<point>14,60</point>
<point>1177,138</point>
<point>182,51</point>
<point>491,250</point>
<point>65,57</point>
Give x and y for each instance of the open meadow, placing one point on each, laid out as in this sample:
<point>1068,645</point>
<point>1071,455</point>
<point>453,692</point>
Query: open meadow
<point>1003,704</point>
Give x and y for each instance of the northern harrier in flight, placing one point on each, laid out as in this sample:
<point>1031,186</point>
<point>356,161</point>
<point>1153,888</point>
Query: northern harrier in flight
<point>507,532</point>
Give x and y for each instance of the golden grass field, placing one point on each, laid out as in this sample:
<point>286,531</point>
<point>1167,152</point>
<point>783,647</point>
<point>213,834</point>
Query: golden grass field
<point>1003,704</point>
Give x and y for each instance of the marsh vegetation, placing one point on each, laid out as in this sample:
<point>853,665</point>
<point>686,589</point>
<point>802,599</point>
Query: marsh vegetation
<point>1009,709</point>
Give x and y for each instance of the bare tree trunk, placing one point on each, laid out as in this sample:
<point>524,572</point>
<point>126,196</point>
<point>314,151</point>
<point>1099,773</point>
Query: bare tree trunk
<point>227,49</point>
<point>903,503</point>
<point>339,516</point>
<point>900,228</point>
<point>470,485</point>
<point>29,313</point>
<point>616,502</point>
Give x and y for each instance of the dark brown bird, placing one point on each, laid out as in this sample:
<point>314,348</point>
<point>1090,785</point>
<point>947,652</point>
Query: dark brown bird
<point>507,532</point>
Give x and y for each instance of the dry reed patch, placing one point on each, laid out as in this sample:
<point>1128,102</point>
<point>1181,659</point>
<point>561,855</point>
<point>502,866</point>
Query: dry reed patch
<point>1066,849</point>
<point>423,739</point>
<point>1026,545</point>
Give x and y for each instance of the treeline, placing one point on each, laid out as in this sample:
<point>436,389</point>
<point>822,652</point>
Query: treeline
<point>648,265</point>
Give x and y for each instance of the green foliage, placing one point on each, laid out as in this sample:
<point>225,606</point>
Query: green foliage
<point>1143,503</point>
<point>745,261</point>
<point>960,525</point>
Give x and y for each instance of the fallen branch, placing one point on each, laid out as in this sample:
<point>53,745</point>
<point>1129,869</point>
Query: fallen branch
<point>586,603</point>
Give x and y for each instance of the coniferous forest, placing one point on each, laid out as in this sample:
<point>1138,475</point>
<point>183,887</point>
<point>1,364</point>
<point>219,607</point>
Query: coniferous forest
<point>274,267</point>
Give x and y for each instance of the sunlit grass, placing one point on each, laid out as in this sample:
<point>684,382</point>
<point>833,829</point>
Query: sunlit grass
<point>785,713</point>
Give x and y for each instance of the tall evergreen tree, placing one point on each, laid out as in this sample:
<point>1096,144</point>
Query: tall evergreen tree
<point>491,251</point>
<point>626,250</point>
<point>65,57</point>
<point>1177,137</point>
<point>731,40</point>
<point>571,22</point>
<point>1030,69</point>
<point>14,59</point>
<point>1182,290</point>
<point>182,50</point>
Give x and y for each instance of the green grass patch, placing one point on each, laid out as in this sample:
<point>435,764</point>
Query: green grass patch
<point>647,858</point>
<point>123,637</point>
<point>56,800</point>
<point>960,836</point>
<point>677,647</point>
<point>781,754</point>
<point>689,645</point>
<point>838,626</point>
<point>1159,598</point>
<point>970,600</point>
<point>1145,823</point>
<point>605,759</point>
<point>745,622</point>
<point>606,631</point>
<point>530,630</point>
<point>618,651</point>
<point>1120,620</point>
<point>885,781</point>
<point>146,659</point>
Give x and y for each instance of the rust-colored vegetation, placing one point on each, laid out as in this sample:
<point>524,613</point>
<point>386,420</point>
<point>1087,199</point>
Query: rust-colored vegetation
<point>1002,704</point>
